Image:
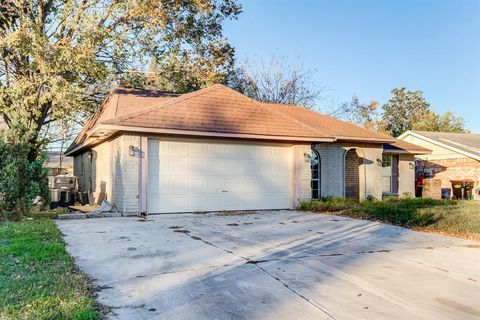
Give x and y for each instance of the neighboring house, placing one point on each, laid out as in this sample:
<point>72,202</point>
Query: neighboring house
<point>216,149</point>
<point>58,165</point>
<point>455,156</point>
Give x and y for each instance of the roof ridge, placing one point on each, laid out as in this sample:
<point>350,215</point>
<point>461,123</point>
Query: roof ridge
<point>162,105</point>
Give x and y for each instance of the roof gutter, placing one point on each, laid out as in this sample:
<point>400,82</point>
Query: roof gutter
<point>116,128</point>
<point>374,140</point>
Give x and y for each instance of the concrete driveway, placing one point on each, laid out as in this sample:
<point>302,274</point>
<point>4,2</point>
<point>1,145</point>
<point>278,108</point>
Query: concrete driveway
<point>274,265</point>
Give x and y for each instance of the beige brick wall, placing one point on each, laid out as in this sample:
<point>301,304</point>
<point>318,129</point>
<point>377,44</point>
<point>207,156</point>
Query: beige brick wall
<point>332,168</point>
<point>301,174</point>
<point>82,170</point>
<point>406,174</point>
<point>102,172</point>
<point>126,174</point>
<point>114,173</point>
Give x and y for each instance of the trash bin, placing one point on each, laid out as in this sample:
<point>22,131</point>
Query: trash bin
<point>468,189</point>
<point>446,193</point>
<point>462,189</point>
<point>457,189</point>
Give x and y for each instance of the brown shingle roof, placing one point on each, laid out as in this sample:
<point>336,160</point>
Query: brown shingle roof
<point>339,129</point>
<point>219,109</point>
<point>123,101</point>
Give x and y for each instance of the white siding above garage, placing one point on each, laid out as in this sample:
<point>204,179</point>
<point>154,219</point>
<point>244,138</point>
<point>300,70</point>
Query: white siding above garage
<point>189,176</point>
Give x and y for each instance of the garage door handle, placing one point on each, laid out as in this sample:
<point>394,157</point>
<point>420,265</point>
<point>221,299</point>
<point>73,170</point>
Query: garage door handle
<point>224,191</point>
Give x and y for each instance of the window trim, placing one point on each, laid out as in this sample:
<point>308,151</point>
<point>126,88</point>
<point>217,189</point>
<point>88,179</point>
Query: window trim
<point>315,193</point>
<point>387,163</point>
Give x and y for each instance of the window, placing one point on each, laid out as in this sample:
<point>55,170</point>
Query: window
<point>315,174</point>
<point>387,160</point>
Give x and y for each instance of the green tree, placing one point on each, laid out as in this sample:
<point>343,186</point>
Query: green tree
<point>403,110</point>
<point>447,122</point>
<point>408,110</point>
<point>58,57</point>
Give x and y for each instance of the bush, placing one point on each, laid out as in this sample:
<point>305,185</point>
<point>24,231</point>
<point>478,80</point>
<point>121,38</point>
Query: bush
<point>21,181</point>
<point>329,204</point>
<point>405,212</point>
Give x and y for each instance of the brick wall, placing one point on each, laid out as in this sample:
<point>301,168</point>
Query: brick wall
<point>301,174</point>
<point>352,174</point>
<point>452,169</point>
<point>332,168</point>
<point>126,174</point>
<point>406,174</point>
<point>102,172</point>
<point>82,170</point>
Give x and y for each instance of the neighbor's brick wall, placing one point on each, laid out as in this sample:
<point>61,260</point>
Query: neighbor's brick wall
<point>453,169</point>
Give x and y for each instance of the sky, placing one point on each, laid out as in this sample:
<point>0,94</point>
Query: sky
<point>368,47</point>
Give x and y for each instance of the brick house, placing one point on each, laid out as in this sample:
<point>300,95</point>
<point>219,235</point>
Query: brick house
<point>216,149</point>
<point>455,156</point>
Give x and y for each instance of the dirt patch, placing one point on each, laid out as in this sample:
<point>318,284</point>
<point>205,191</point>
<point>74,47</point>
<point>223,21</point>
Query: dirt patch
<point>233,224</point>
<point>175,227</point>
<point>473,246</point>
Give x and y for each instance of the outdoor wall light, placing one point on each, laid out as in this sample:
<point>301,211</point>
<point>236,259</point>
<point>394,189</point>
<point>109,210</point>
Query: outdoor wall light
<point>379,162</point>
<point>307,157</point>
<point>131,151</point>
<point>411,165</point>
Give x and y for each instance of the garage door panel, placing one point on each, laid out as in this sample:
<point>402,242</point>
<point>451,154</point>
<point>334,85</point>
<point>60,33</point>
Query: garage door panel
<point>191,176</point>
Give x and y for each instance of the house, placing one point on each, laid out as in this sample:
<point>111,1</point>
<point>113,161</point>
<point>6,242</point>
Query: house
<point>56,163</point>
<point>455,156</point>
<point>216,149</point>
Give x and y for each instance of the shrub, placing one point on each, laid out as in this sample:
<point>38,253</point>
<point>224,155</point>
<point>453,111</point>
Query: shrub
<point>21,181</point>
<point>329,204</point>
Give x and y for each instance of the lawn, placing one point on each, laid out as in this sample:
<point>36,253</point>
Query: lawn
<point>38,279</point>
<point>456,218</point>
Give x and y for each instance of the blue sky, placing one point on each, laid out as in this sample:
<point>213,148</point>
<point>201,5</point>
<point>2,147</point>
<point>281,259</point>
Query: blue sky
<point>368,47</point>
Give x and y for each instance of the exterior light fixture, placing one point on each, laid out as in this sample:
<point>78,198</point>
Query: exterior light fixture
<point>307,157</point>
<point>131,151</point>
<point>379,162</point>
<point>411,165</point>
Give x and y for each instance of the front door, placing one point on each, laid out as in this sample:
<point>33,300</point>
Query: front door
<point>390,174</point>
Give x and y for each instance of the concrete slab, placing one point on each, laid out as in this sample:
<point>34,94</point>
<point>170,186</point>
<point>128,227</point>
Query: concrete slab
<point>274,265</point>
<point>72,216</point>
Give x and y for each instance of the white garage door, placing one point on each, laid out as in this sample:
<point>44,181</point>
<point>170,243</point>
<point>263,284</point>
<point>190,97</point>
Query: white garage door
<point>200,176</point>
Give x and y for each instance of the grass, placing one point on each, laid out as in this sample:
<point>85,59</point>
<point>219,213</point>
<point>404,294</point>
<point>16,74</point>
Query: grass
<point>457,218</point>
<point>38,279</point>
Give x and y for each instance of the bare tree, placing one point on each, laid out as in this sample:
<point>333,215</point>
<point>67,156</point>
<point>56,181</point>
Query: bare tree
<point>278,81</point>
<point>367,115</point>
